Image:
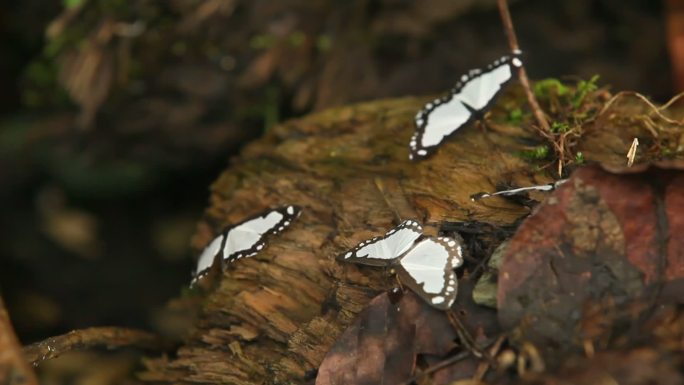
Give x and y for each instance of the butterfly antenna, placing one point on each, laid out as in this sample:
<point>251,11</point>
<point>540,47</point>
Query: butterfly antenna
<point>396,278</point>
<point>381,188</point>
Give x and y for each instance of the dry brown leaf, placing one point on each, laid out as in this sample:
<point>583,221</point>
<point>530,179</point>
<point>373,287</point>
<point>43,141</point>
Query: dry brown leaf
<point>597,253</point>
<point>381,346</point>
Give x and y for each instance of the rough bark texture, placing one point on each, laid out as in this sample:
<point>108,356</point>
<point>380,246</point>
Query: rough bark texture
<point>272,318</point>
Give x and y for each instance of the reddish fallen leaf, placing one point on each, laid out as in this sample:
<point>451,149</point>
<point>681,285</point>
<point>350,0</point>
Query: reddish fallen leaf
<point>381,346</point>
<point>592,249</point>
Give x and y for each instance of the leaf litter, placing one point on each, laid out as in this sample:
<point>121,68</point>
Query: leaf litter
<point>590,287</point>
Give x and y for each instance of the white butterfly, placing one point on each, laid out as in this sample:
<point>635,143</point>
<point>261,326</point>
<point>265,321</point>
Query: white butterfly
<point>246,238</point>
<point>472,95</point>
<point>424,264</point>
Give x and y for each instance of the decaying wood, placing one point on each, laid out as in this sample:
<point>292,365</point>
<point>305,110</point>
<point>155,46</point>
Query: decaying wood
<point>272,318</point>
<point>14,369</point>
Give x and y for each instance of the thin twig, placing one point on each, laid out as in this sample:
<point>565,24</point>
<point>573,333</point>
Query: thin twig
<point>485,365</point>
<point>671,101</point>
<point>447,362</point>
<point>109,337</point>
<point>524,81</point>
<point>656,110</point>
<point>14,369</point>
<point>465,337</point>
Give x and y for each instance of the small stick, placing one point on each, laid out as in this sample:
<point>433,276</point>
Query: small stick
<point>485,365</point>
<point>441,365</point>
<point>465,337</point>
<point>109,337</point>
<point>524,81</point>
<point>654,108</point>
<point>631,154</point>
<point>14,369</point>
<point>449,361</point>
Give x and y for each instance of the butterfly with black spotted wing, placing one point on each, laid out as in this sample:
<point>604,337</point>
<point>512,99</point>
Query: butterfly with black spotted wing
<point>245,238</point>
<point>468,100</point>
<point>424,264</point>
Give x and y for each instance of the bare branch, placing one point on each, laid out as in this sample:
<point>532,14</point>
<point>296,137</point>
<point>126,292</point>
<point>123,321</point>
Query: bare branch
<point>513,43</point>
<point>109,337</point>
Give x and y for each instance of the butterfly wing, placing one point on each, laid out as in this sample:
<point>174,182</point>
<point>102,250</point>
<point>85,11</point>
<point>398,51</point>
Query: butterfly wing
<point>206,259</point>
<point>428,270</point>
<point>474,93</point>
<point>383,250</point>
<point>249,237</point>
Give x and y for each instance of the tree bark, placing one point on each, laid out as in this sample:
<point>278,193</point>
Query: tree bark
<point>272,318</point>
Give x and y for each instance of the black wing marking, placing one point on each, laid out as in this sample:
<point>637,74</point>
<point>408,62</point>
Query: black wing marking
<point>384,250</point>
<point>428,270</point>
<point>473,94</point>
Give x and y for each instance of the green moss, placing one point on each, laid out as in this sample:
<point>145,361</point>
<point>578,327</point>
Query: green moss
<point>559,127</point>
<point>515,116</point>
<point>543,89</point>
<point>584,87</point>
<point>537,153</point>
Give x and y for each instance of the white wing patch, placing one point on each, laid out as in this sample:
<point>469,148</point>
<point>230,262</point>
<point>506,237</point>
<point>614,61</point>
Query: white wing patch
<point>207,257</point>
<point>443,120</point>
<point>426,263</point>
<point>392,245</point>
<point>480,90</point>
<point>248,234</point>
<point>428,269</point>
<point>474,93</point>
<point>384,249</point>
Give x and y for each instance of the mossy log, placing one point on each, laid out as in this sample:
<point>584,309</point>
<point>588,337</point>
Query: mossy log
<point>272,318</point>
